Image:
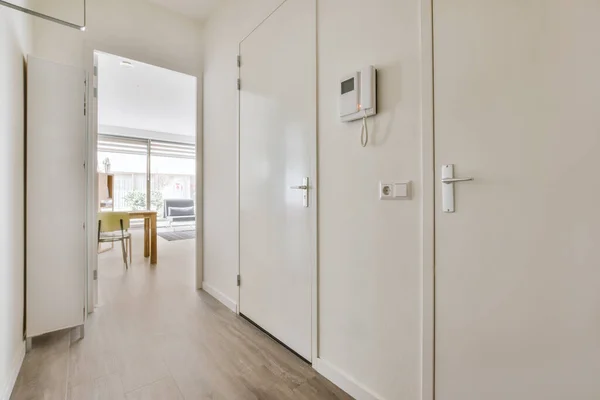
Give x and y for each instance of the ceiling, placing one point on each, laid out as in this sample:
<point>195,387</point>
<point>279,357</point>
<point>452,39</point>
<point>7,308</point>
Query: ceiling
<point>197,9</point>
<point>145,98</point>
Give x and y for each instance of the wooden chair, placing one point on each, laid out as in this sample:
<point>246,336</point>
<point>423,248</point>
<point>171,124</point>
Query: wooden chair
<point>113,227</point>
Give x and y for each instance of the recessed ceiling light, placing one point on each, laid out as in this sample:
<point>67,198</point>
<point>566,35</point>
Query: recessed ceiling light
<point>126,64</point>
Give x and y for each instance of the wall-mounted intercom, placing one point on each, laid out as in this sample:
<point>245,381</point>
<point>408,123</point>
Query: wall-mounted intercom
<point>358,95</point>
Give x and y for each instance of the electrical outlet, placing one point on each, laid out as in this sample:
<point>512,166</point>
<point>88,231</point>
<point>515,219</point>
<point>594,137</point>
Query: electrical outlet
<point>386,191</point>
<point>395,190</point>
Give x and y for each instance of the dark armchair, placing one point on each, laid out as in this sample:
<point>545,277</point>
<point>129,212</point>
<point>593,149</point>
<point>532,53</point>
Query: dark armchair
<point>179,210</point>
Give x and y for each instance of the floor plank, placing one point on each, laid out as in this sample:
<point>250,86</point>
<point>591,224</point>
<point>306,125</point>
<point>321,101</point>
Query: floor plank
<point>44,372</point>
<point>164,389</point>
<point>154,336</point>
<point>108,387</point>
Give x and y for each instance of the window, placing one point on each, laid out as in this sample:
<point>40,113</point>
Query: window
<point>147,172</point>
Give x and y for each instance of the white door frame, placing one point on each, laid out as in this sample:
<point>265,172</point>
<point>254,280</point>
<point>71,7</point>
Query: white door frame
<point>92,183</point>
<point>428,205</point>
<point>91,222</point>
<point>314,186</point>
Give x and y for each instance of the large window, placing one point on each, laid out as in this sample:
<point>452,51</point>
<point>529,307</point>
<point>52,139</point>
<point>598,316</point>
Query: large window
<point>172,173</point>
<point>147,173</point>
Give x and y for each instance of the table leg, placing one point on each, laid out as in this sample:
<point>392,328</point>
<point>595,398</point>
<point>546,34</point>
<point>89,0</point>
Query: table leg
<point>146,237</point>
<point>154,241</point>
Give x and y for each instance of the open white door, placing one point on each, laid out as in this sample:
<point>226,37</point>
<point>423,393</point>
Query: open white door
<point>56,197</point>
<point>518,262</point>
<point>277,159</point>
<point>93,194</point>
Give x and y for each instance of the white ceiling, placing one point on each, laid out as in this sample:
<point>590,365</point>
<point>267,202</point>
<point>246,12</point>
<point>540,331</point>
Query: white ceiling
<point>197,9</point>
<point>144,98</point>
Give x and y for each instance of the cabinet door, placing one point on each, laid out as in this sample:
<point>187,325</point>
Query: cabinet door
<point>56,196</point>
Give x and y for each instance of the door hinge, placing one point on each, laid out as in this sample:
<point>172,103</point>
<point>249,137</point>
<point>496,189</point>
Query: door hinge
<point>95,93</point>
<point>95,70</point>
<point>239,84</point>
<point>239,280</point>
<point>95,274</point>
<point>84,225</point>
<point>239,60</point>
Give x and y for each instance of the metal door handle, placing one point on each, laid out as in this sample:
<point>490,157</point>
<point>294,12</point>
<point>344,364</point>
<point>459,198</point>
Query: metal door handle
<point>453,180</point>
<point>448,181</point>
<point>304,187</point>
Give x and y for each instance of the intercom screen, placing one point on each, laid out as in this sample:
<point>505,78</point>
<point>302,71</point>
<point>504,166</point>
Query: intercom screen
<point>348,85</point>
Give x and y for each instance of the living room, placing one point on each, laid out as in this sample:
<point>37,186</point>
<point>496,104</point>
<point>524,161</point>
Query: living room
<point>146,168</point>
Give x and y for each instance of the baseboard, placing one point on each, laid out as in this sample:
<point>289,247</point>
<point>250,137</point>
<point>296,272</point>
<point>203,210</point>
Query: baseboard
<point>14,373</point>
<point>345,382</point>
<point>217,294</point>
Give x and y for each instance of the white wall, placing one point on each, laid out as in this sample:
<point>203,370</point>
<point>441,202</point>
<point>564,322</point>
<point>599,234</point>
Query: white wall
<point>15,36</point>
<point>67,10</point>
<point>145,98</point>
<point>223,32</point>
<point>134,29</point>
<point>369,250</point>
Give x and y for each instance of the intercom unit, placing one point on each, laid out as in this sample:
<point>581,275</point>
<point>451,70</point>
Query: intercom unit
<point>358,95</point>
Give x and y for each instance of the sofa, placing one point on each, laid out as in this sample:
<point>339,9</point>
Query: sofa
<point>179,210</point>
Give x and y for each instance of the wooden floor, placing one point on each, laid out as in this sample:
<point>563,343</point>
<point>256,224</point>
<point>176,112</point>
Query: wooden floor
<point>155,337</point>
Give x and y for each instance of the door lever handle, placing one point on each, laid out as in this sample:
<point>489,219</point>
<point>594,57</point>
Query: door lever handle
<point>448,181</point>
<point>305,187</point>
<point>453,180</point>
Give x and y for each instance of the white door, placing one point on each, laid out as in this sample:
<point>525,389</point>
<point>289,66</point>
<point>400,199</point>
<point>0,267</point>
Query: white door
<point>277,152</point>
<point>56,188</point>
<point>92,190</point>
<point>518,264</point>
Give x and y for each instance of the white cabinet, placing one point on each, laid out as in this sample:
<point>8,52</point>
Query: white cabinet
<point>55,197</point>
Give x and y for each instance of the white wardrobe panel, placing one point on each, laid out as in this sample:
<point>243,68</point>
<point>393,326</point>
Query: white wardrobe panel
<point>56,196</point>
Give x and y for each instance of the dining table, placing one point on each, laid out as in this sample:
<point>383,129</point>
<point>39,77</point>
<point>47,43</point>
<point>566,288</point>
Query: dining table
<point>150,232</point>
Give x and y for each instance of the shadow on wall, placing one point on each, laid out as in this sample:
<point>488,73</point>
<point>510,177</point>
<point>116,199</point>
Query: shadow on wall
<point>388,90</point>
<point>14,45</point>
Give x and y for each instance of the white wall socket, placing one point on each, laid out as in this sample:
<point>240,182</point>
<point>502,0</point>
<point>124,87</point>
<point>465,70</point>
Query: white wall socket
<point>395,190</point>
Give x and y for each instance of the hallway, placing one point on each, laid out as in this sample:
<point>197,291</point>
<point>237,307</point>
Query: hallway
<point>154,337</point>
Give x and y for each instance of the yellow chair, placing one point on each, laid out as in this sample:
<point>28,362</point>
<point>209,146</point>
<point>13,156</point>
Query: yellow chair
<point>113,227</point>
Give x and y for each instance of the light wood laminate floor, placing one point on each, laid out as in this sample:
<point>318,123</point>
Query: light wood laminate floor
<point>155,337</point>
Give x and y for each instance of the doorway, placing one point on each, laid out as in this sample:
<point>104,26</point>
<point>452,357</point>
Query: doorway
<point>277,171</point>
<point>516,275</point>
<point>146,163</point>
